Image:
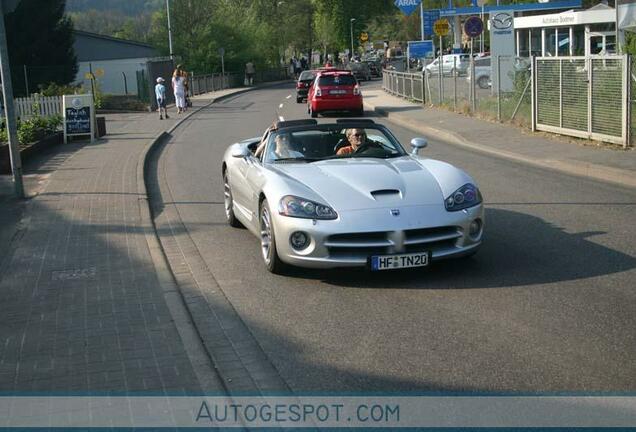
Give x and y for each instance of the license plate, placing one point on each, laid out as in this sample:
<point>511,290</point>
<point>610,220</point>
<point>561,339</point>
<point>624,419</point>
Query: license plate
<point>337,92</point>
<point>389,262</point>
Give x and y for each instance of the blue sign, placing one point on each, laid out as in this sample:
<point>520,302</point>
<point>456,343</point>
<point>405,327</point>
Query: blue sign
<point>473,10</point>
<point>407,6</point>
<point>421,49</point>
<point>430,16</point>
<point>473,26</point>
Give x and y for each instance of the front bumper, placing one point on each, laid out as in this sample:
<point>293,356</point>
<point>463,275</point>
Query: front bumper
<point>351,239</point>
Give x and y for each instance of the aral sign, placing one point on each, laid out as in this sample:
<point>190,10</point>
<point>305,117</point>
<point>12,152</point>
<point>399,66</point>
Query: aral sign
<point>407,6</point>
<point>502,45</point>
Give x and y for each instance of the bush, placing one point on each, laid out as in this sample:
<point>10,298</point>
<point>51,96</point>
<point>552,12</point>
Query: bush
<point>53,89</point>
<point>33,129</point>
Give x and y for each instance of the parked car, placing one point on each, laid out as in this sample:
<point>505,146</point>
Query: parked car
<point>482,72</point>
<point>302,85</point>
<point>334,90</point>
<point>379,207</point>
<point>483,68</point>
<point>452,64</point>
<point>374,67</point>
<point>361,70</point>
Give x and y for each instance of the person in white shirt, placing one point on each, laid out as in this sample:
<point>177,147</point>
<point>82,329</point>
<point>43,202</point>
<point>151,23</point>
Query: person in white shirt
<point>178,87</point>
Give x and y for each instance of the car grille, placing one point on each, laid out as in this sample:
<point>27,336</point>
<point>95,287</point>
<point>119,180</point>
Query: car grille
<point>357,245</point>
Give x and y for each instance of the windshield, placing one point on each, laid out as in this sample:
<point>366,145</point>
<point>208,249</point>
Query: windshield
<point>331,143</point>
<point>307,76</point>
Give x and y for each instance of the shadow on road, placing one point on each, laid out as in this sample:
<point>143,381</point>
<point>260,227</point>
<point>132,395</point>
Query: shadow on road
<point>518,250</point>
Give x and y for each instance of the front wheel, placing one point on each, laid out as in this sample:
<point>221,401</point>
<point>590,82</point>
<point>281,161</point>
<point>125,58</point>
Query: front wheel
<point>482,82</point>
<point>228,202</point>
<point>312,113</point>
<point>268,241</point>
<point>299,99</point>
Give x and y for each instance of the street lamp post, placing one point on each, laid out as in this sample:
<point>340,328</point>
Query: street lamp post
<point>9,109</point>
<point>351,28</point>
<point>169,29</point>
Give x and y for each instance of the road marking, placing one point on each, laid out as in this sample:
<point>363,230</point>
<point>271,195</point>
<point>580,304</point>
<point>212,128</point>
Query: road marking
<point>281,118</point>
<point>288,97</point>
<point>280,106</point>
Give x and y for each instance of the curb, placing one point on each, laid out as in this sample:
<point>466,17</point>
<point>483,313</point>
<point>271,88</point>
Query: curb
<point>198,355</point>
<point>207,373</point>
<point>592,171</point>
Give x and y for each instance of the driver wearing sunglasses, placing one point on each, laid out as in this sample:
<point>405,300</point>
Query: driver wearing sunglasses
<point>357,138</point>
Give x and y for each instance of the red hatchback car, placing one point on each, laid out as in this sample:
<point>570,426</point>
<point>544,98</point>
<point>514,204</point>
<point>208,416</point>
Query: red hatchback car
<point>334,90</point>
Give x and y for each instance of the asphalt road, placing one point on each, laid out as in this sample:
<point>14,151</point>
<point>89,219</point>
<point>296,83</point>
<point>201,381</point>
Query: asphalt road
<point>548,304</point>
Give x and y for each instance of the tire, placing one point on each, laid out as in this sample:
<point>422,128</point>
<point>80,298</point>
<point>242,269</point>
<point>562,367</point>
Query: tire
<point>482,82</point>
<point>312,113</point>
<point>228,202</point>
<point>268,241</point>
<point>299,99</point>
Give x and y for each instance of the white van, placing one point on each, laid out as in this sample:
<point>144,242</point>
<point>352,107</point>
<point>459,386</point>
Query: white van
<point>451,64</point>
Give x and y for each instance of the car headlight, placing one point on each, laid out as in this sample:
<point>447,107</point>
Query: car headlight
<point>294,206</point>
<point>464,197</point>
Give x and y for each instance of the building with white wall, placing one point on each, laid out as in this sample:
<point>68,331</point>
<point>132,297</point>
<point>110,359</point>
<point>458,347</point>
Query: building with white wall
<point>115,62</point>
<point>569,33</point>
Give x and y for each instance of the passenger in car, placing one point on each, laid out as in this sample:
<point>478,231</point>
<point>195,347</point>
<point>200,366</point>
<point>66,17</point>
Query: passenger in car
<point>283,148</point>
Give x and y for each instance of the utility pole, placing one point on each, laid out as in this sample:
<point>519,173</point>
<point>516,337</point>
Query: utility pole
<point>351,27</point>
<point>9,109</point>
<point>169,30</point>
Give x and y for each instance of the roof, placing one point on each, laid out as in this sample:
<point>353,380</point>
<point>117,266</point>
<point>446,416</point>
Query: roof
<point>94,47</point>
<point>111,38</point>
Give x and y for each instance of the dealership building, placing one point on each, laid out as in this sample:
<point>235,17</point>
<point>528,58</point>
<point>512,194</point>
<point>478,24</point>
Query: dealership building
<point>569,33</point>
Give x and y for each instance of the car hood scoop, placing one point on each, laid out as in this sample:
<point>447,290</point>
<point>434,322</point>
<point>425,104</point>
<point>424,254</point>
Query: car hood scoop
<point>359,183</point>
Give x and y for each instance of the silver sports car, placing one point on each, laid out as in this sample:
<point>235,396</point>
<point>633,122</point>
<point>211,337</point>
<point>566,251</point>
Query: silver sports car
<point>347,194</point>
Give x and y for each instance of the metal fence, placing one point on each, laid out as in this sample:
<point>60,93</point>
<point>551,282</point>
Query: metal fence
<point>632,105</point>
<point>214,82</point>
<point>590,97</point>
<point>586,97</point>
<point>406,85</point>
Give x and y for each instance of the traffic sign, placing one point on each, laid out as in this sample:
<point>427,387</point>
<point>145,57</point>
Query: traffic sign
<point>421,49</point>
<point>364,36</point>
<point>430,16</point>
<point>473,26</point>
<point>407,6</point>
<point>441,27</point>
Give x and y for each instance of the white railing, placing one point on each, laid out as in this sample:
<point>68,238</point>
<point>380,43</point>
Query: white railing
<point>43,106</point>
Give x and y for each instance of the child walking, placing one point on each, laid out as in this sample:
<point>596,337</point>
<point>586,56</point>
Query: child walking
<point>160,93</point>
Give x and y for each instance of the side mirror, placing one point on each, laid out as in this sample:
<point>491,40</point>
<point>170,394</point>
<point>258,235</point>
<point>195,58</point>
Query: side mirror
<point>240,151</point>
<point>417,144</point>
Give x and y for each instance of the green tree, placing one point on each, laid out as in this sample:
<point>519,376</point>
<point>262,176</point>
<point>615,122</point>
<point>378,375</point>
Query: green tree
<point>40,37</point>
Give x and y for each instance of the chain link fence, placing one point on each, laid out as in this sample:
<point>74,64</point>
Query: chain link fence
<point>580,96</point>
<point>583,96</point>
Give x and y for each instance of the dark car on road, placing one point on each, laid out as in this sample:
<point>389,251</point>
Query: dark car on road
<point>302,85</point>
<point>360,70</point>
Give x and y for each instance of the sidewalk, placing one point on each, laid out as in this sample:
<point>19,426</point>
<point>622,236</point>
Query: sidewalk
<point>613,165</point>
<point>82,304</point>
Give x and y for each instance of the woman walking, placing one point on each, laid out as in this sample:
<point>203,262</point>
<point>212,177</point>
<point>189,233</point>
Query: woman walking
<point>178,87</point>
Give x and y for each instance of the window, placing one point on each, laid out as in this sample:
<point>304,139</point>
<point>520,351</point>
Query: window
<point>336,80</point>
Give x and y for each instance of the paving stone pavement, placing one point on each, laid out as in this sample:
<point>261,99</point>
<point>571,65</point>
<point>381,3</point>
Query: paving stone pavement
<point>81,309</point>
